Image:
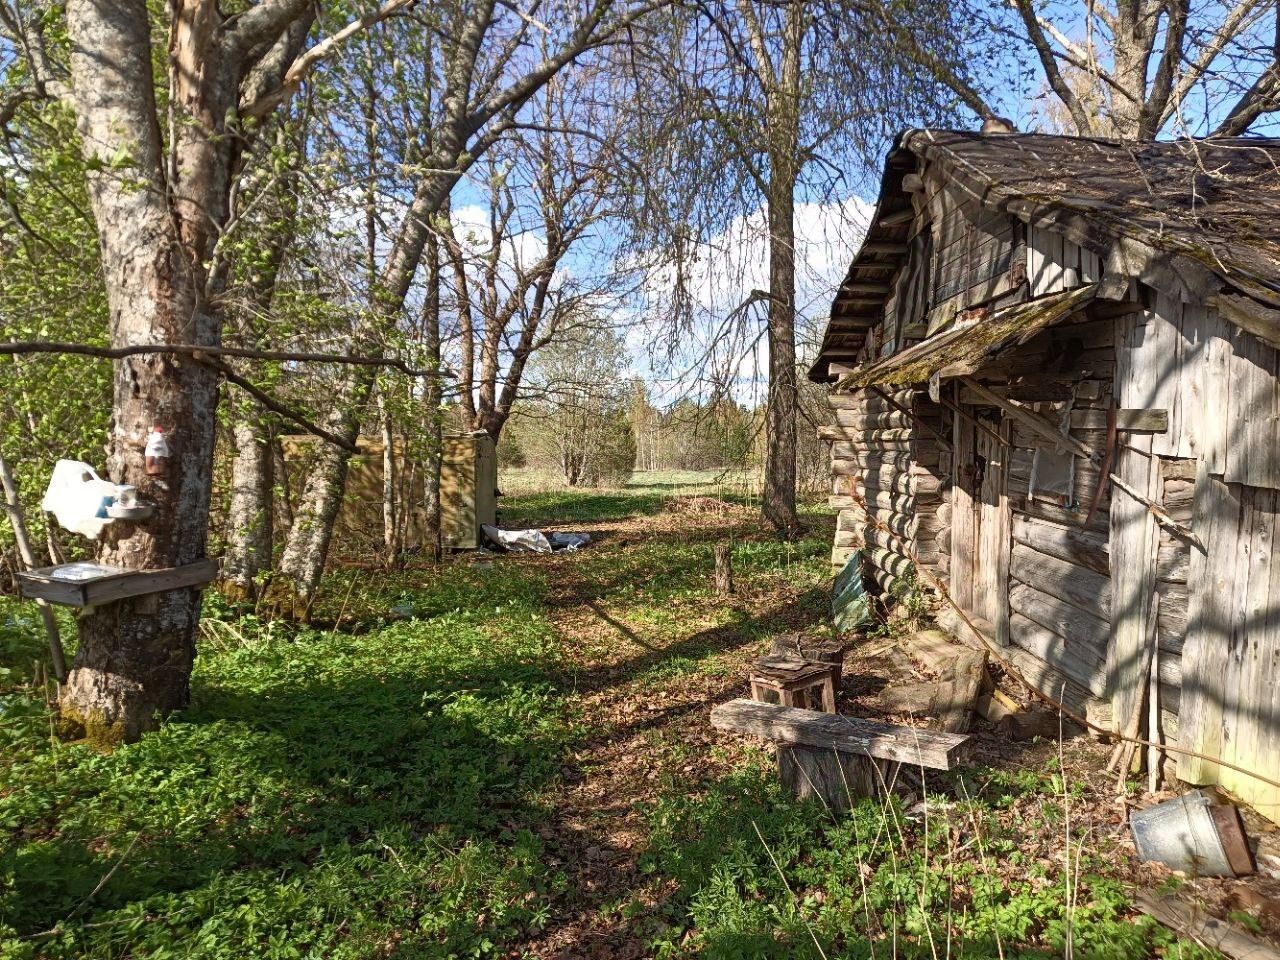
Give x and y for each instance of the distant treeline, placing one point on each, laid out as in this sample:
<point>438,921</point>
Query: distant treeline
<point>626,432</point>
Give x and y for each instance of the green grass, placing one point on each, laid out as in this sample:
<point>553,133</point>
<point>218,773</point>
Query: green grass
<point>533,498</point>
<point>386,789</point>
<point>326,794</point>
<point>761,876</point>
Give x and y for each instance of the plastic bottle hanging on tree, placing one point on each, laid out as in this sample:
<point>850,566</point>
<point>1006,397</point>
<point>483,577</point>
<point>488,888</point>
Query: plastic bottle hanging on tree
<point>157,453</point>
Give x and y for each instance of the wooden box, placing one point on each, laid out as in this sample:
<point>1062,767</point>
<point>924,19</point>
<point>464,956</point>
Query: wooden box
<point>468,486</point>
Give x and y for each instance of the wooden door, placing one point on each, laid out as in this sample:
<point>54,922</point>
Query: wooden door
<point>980,522</point>
<point>991,531</point>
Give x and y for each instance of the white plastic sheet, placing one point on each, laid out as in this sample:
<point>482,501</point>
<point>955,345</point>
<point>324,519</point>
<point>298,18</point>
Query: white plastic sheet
<point>534,541</point>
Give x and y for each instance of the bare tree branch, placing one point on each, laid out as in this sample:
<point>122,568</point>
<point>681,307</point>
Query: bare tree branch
<point>197,350</point>
<point>1048,61</point>
<point>301,68</point>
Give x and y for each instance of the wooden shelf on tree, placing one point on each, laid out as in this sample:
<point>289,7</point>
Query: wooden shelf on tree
<point>93,584</point>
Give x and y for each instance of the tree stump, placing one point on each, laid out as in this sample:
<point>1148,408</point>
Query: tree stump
<point>724,569</point>
<point>958,693</point>
<point>838,780</point>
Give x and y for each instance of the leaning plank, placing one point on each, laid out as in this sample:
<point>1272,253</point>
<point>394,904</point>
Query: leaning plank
<point>934,649</point>
<point>1188,919</point>
<point>809,728</point>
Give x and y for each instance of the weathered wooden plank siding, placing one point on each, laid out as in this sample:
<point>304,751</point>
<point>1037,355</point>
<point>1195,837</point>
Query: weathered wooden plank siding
<point>1230,704</point>
<point>1135,537</point>
<point>1220,386</point>
<point>1059,573</point>
<point>1072,590</point>
<point>1055,263</point>
<point>1253,413</point>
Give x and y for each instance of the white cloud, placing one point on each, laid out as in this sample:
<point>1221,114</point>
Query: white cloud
<point>728,266</point>
<point>519,250</point>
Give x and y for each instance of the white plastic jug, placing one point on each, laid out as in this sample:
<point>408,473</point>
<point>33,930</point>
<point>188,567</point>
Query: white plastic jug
<point>79,498</point>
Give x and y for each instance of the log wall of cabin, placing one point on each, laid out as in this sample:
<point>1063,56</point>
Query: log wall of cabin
<point>887,485</point>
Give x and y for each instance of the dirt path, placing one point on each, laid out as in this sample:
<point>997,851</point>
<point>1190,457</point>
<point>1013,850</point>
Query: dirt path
<point>646,689</point>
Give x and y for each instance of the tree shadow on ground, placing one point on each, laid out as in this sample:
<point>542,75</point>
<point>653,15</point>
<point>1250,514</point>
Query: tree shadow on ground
<point>575,507</point>
<point>295,783</point>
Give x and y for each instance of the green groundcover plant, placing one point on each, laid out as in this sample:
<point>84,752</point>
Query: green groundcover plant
<point>381,788</point>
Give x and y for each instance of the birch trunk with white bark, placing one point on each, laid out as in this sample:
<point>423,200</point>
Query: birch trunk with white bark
<point>135,656</point>
<point>160,210</point>
<point>250,516</point>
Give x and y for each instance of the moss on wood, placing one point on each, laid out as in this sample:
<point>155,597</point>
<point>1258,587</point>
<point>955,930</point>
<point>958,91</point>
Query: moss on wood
<point>969,347</point>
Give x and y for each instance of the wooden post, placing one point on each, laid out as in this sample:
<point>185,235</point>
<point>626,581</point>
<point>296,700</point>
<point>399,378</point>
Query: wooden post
<point>958,695</point>
<point>837,780</point>
<point>13,507</point>
<point>724,569</point>
<point>1154,758</point>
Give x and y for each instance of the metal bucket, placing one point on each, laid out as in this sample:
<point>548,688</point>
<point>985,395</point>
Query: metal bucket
<point>1181,834</point>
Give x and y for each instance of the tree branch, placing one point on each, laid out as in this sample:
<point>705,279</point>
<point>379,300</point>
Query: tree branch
<point>1044,50</point>
<point>1262,97</point>
<point>301,68</point>
<point>260,24</point>
<point>197,351</point>
<point>941,70</point>
<point>276,407</point>
<point>1231,27</point>
<point>1163,82</point>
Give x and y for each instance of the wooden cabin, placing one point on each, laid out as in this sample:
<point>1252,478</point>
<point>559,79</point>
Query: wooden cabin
<point>1054,373</point>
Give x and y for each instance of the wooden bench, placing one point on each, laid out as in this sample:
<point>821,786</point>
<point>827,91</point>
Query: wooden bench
<point>837,758</point>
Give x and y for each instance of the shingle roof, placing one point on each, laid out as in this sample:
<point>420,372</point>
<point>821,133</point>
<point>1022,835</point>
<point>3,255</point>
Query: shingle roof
<point>1208,211</point>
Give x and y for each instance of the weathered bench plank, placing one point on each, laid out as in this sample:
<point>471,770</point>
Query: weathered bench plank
<point>809,728</point>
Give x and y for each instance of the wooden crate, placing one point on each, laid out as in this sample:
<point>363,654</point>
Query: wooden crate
<point>468,487</point>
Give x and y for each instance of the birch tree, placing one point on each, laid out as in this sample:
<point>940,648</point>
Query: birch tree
<point>769,98</point>
<point>485,81</point>
<point>1139,68</point>
<point>161,169</point>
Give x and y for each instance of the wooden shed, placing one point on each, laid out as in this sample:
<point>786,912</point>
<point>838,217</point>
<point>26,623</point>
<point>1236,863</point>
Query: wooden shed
<point>468,490</point>
<point>1055,381</point>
